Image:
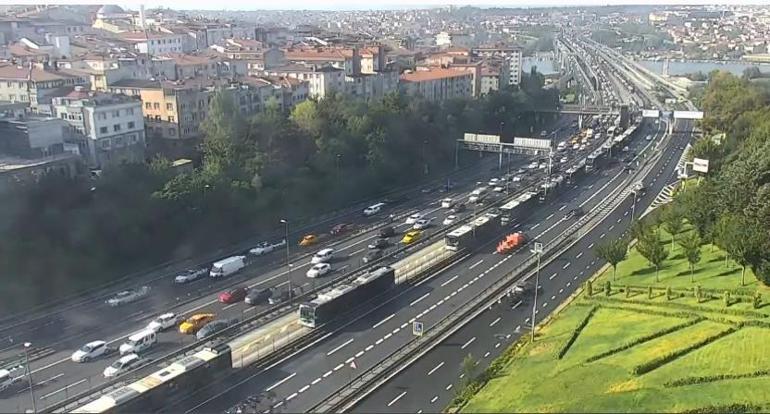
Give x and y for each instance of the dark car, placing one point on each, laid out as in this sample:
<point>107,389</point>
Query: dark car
<point>339,229</point>
<point>458,208</point>
<point>372,255</point>
<point>258,296</point>
<point>387,231</point>
<point>278,297</point>
<point>213,327</point>
<point>575,212</point>
<point>379,244</point>
<point>233,295</point>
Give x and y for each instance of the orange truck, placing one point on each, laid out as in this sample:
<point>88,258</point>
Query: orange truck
<point>510,242</point>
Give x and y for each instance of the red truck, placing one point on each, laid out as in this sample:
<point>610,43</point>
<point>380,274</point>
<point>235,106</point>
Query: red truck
<point>510,242</point>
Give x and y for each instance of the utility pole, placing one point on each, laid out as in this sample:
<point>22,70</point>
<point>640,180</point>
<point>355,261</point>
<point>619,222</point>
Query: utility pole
<point>538,251</point>
<point>288,261</point>
<point>29,376</point>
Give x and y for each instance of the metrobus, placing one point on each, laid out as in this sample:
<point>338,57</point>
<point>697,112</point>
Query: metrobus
<point>467,234</point>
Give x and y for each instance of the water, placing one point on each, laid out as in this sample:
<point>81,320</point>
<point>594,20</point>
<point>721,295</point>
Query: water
<point>683,68</point>
<point>545,65</point>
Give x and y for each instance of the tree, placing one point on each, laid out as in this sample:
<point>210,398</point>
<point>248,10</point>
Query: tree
<point>468,369</point>
<point>640,229</point>
<point>673,219</point>
<point>651,249</point>
<point>613,252</point>
<point>742,239</point>
<point>690,244</point>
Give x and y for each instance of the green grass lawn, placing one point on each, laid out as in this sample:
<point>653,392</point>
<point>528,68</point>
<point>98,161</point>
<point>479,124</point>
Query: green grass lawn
<point>536,380</point>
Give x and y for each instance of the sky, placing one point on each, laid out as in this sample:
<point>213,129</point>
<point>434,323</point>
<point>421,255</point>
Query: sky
<point>380,4</point>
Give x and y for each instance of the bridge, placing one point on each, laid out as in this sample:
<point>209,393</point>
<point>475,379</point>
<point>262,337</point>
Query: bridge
<point>578,109</point>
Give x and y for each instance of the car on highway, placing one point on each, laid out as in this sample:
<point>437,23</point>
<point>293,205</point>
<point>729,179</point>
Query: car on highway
<point>10,376</point>
<point>575,146</point>
<point>340,229</point>
<point>493,182</point>
<point>281,296</point>
<point>318,270</point>
<point>421,224</point>
<point>258,296</point>
<point>458,208</point>
<point>648,138</point>
<point>163,322</point>
<point>532,166</point>
<point>233,295</point>
<point>213,327</point>
<point>521,171</point>
<point>379,244</point>
<point>498,189</point>
<point>563,160</point>
<point>138,342</point>
<point>90,351</point>
<point>582,147</point>
<point>386,231</point>
<point>372,255</point>
<point>195,322</point>
<point>121,366</point>
<point>447,203</point>
<point>191,275</point>
<point>128,296</point>
<point>411,237</point>
<point>373,209</point>
<point>266,247</point>
<point>413,218</point>
<point>449,220</point>
<point>308,240</point>
<point>575,212</point>
<point>323,256</point>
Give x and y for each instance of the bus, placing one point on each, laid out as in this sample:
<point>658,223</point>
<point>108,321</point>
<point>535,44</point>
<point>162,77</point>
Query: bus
<point>467,234</point>
<point>330,304</point>
<point>457,237</point>
<point>506,211</point>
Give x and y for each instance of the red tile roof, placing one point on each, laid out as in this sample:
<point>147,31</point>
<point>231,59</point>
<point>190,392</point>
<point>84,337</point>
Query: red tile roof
<point>433,74</point>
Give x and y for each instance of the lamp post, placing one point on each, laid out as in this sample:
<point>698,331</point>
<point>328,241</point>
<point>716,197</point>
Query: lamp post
<point>538,250</point>
<point>288,262</point>
<point>29,375</point>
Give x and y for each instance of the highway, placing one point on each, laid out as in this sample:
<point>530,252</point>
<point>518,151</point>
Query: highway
<point>56,378</point>
<point>302,381</point>
<point>430,383</point>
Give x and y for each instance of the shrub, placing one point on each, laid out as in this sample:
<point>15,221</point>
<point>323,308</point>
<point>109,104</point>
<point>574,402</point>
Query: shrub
<point>576,333</point>
<point>757,300</point>
<point>726,409</point>
<point>589,288</point>
<point>726,298</point>
<point>668,292</point>
<point>655,363</point>
<point>684,306</point>
<point>649,292</point>
<point>714,378</point>
<point>607,288</point>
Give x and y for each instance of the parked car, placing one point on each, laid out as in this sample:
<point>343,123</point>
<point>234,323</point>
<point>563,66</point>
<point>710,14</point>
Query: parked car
<point>233,295</point>
<point>128,296</point>
<point>195,322</point>
<point>372,255</point>
<point>121,366</point>
<point>379,244</point>
<point>191,275</point>
<point>90,351</point>
<point>308,240</point>
<point>163,322</point>
<point>319,270</point>
<point>258,296</point>
<point>213,327</point>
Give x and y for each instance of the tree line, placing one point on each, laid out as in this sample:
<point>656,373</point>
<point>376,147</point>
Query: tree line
<point>61,236</point>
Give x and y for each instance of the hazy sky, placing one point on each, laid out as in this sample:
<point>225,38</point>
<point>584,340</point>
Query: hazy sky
<point>377,4</point>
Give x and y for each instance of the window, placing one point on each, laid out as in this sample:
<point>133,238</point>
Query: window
<point>116,114</point>
<point>106,143</point>
<point>118,140</point>
<point>172,132</point>
<point>157,118</point>
<point>103,130</point>
<point>147,105</point>
<point>116,127</point>
<point>130,111</point>
<point>101,116</point>
<point>130,125</point>
<point>171,119</point>
<point>169,107</point>
<point>156,105</point>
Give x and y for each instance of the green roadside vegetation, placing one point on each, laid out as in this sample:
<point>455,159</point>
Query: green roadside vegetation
<point>680,321</point>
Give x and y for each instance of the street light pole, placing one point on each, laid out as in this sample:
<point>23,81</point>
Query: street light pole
<point>288,261</point>
<point>29,376</point>
<point>534,302</point>
<point>633,206</point>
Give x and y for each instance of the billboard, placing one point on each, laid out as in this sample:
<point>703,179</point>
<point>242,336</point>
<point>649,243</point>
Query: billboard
<point>650,113</point>
<point>700,165</point>
<point>487,139</point>
<point>532,142</point>
<point>688,115</point>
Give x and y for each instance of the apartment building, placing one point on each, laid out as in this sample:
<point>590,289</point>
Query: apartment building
<point>438,84</point>
<point>321,81</point>
<point>113,126</point>
<point>450,39</point>
<point>490,81</point>
<point>156,43</point>
<point>36,84</point>
<point>510,71</point>
<point>475,70</point>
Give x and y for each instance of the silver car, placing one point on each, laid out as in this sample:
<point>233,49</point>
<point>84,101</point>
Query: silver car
<point>128,296</point>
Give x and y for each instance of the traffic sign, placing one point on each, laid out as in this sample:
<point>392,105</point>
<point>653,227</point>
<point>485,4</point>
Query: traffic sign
<point>417,328</point>
<point>538,247</point>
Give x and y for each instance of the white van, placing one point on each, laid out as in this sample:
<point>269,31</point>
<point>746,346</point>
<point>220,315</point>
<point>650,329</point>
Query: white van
<point>373,209</point>
<point>478,194</point>
<point>447,203</point>
<point>226,267</point>
<point>322,256</point>
<point>138,342</point>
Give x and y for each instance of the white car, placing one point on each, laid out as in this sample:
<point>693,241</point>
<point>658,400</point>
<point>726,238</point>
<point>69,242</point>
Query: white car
<point>266,247</point>
<point>532,166</point>
<point>449,220</point>
<point>128,296</point>
<point>11,376</point>
<point>191,275</point>
<point>542,166</point>
<point>493,182</point>
<point>516,178</point>
<point>123,365</point>
<point>163,322</point>
<point>413,218</point>
<point>563,160</point>
<point>498,189</point>
<point>582,147</point>
<point>421,224</point>
<point>322,256</point>
<point>89,351</point>
<point>319,270</point>
<point>648,138</point>
<point>575,146</point>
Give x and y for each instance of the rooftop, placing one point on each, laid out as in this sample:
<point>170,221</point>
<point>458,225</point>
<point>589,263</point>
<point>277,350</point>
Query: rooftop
<point>433,74</point>
<point>14,72</point>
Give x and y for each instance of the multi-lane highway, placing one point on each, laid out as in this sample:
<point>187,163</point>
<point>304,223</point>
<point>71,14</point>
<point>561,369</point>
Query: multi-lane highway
<point>302,381</point>
<point>430,383</point>
<point>56,377</point>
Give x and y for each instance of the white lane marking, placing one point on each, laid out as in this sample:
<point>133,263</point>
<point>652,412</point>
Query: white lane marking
<point>315,381</point>
<point>497,345</point>
<point>356,252</point>
<point>441,364</point>
<point>349,360</point>
<point>387,336</point>
<point>569,284</point>
<point>602,236</point>
<point>278,404</point>
<point>358,354</point>
<point>398,397</point>
<point>535,226</point>
<point>450,280</point>
<point>383,321</point>
<point>590,245</point>
<point>404,325</point>
<point>289,398</point>
<point>369,348</point>
<point>303,389</point>
<point>470,341</point>
<point>486,355</point>
<point>590,186</point>
<point>561,290</point>
<point>619,220</point>
<point>579,255</point>
<point>553,276</point>
<point>611,227</point>
<point>419,299</point>
<point>448,387</point>
<point>231,305</point>
<point>549,217</point>
<point>566,265</point>
<point>339,347</point>
<point>516,305</point>
<point>476,264</point>
<point>574,278</point>
<point>553,297</point>
<point>379,341</point>
<point>625,213</point>
<point>494,322</point>
<point>432,400</point>
<point>327,374</point>
<point>562,207</point>
<point>339,367</point>
<point>280,382</point>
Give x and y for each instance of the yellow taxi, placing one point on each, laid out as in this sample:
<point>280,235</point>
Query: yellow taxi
<point>411,237</point>
<point>308,240</point>
<point>194,323</point>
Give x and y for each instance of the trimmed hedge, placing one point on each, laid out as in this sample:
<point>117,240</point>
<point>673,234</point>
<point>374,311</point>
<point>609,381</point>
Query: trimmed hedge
<point>660,361</point>
<point>576,333</point>
<point>714,378</point>
<point>673,314</point>
<point>684,306</point>
<point>643,339</point>
<point>726,409</point>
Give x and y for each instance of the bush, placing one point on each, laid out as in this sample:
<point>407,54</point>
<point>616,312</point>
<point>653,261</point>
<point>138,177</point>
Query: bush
<point>684,306</point>
<point>607,288</point>
<point>576,333</point>
<point>589,288</point>
<point>652,364</point>
<point>726,298</point>
<point>714,378</point>
<point>726,409</point>
<point>757,300</point>
<point>643,339</point>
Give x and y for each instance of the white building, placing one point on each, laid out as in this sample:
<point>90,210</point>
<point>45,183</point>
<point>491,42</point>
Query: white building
<point>321,81</point>
<point>510,72</point>
<point>453,39</point>
<point>156,43</point>
<point>437,84</point>
<point>113,126</point>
